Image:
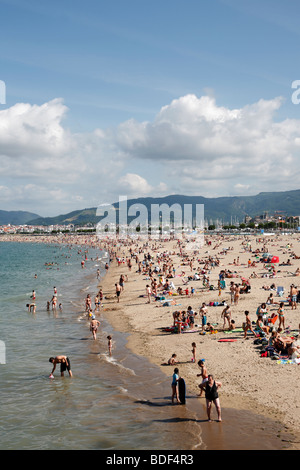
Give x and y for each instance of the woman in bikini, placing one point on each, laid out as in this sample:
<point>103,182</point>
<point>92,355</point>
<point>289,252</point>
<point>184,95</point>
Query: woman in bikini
<point>281,315</point>
<point>226,314</point>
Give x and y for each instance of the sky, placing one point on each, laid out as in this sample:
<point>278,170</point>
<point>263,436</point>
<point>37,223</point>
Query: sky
<point>136,98</point>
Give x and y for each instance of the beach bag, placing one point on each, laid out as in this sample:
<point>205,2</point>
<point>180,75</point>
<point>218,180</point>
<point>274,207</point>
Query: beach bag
<point>275,356</point>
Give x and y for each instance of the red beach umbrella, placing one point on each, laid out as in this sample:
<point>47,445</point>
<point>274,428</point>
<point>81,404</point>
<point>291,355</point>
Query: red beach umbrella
<point>275,259</point>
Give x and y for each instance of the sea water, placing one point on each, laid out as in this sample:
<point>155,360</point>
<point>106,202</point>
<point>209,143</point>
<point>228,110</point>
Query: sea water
<point>109,401</point>
<point>117,402</point>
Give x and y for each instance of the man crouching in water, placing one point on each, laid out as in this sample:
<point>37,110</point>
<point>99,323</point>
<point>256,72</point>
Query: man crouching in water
<point>64,362</point>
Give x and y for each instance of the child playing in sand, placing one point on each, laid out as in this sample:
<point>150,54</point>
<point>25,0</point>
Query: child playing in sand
<point>173,360</point>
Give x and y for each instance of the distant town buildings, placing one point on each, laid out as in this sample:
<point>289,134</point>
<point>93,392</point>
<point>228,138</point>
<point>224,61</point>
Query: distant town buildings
<point>38,229</point>
<point>276,220</point>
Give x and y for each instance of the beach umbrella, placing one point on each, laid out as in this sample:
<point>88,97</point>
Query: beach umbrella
<point>275,259</point>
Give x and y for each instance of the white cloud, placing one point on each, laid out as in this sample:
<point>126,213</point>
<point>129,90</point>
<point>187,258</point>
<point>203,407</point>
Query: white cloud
<point>136,186</point>
<point>192,146</point>
<point>30,130</point>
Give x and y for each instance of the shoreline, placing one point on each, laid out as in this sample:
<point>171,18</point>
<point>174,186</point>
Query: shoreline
<point>147,345</point>
<point>250,382</point>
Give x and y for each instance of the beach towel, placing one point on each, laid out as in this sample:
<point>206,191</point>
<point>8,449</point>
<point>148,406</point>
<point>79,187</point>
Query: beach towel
<point>236,330</point>
<point>285,361</point>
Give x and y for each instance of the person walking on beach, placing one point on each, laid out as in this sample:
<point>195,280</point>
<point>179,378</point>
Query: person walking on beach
<point>175,379</point>
<point>118,291</point>
<point>64,362</point>
<point>211,394</point>
<point>247,325</point>
<point>121,281</point>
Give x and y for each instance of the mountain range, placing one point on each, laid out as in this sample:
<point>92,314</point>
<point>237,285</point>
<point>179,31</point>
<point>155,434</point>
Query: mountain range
<point>224,209</point>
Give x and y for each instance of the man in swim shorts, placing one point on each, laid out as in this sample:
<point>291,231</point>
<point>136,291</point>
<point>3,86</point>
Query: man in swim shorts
<point>118,291</point>
<point>293,295</point>
<point>64,362</point>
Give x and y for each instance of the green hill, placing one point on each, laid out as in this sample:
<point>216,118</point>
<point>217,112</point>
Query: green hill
<point>222,208</point>
<point>16,217</point>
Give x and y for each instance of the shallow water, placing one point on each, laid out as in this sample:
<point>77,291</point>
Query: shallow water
<point>103,405</point>
<point>112,403</point>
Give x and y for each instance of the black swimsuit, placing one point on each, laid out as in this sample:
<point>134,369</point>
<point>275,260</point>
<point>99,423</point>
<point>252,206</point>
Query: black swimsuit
<point>211,392</point>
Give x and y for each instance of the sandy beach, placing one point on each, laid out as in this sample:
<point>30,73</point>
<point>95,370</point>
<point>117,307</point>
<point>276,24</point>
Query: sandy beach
<point>249,380</point>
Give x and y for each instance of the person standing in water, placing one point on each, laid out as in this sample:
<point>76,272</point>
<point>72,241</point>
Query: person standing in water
<point>64,362</point>
<point>174,385</point>
<point>94,325</point>
<point>212,396</point>
<point>109,344</point>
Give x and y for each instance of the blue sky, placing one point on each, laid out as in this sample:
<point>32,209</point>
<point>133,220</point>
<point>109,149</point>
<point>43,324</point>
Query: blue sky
<point>146,98</point>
